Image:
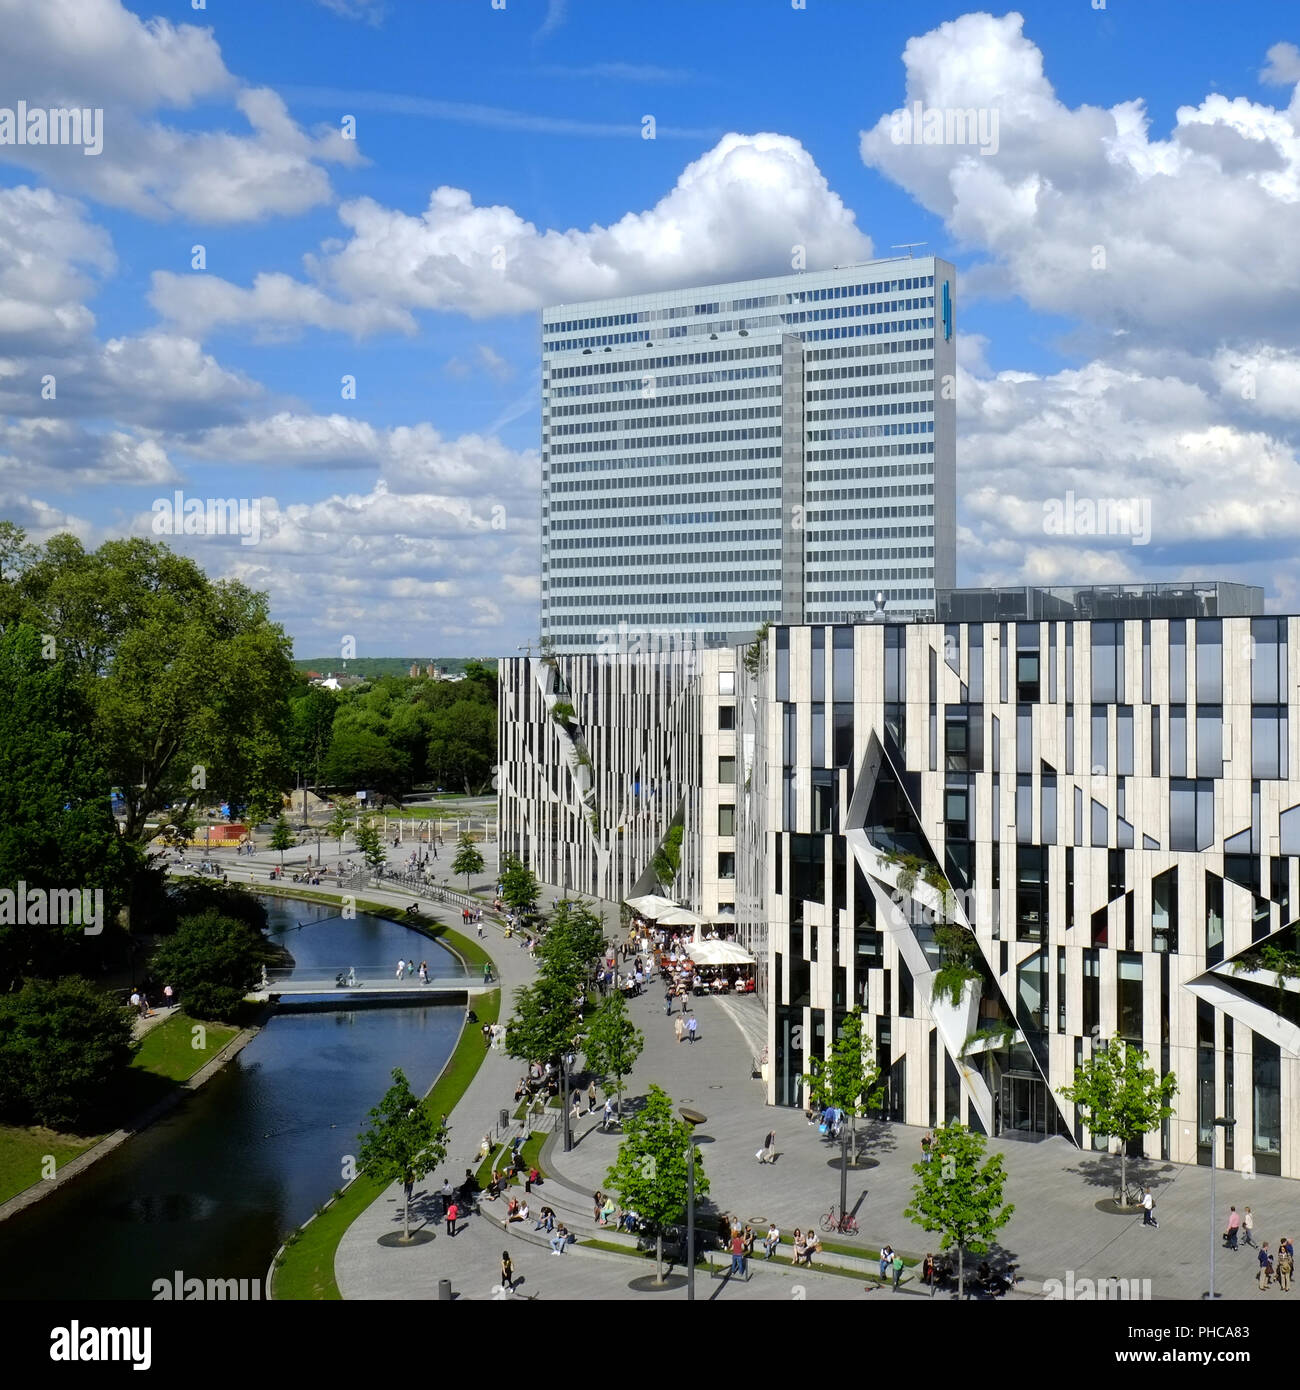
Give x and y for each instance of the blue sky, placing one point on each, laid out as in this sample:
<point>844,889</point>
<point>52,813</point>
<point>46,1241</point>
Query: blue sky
<point>1165,135</point>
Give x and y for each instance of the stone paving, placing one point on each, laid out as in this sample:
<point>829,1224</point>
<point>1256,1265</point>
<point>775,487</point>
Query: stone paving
<point>1057,1229</point>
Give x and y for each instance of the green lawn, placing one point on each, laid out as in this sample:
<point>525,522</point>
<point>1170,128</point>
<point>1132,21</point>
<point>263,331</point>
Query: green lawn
<point>306,1269</point>
<point>24,1151</point>
<point>169,1049</point>
<point>165,1059</point>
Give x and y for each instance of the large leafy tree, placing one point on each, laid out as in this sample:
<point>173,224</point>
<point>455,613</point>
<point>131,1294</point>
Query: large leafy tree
<point>958,1194</point>
<point>649,1174</point>
<point>311,716</point>
<point>462,744</point>
<point>187,679</point>
<point>363,759</point>
<point>404,1142</point>
<point>214,960</point>
<point>1118,1094</point>
<point>849,1079</point>
<point>613,1043</point>
<point>62,1044</point>
<point>57,829</point>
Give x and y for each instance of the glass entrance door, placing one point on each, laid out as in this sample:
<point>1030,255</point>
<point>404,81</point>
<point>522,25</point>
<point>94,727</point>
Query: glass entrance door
<point>1024,1106</point>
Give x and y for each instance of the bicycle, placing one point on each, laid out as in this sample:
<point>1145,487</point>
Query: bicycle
<point>843,1222</point>
<point>1130,1196</point>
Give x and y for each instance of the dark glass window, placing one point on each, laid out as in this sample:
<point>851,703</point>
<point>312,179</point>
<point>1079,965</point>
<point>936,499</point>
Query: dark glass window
<point>1164,911</point>
<point>1209,740</point>
<point>1129,996</point>
<point>1268,741</point>
<point>1178,659</point>
<point>1209,660</point>
<point>1213,919</point>
<point>1107,663</point>
<point>726,716</point>
<point>726,820</point>
<point>1268,678</point>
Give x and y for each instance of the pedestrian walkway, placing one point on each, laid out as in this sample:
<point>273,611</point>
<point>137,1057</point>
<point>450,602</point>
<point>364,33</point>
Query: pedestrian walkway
<point>1057,1231</point>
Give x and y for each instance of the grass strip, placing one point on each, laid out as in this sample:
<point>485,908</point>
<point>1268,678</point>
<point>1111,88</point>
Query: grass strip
<point>305,1269</point>
<point>168,1049</point>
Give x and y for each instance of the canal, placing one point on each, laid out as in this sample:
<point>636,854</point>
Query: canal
<point>212,1188</point>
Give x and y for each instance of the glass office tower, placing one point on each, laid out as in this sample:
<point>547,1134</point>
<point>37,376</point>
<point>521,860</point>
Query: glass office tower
<point>717,457</point>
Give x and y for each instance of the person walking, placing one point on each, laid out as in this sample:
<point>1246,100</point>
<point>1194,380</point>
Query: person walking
<point>1248,1228</point>
<point>668,1003</point>
<point>765,1154</point>
<point>168,997</point>
<point>679,1026</point>
<point>1234,1225</point>
<point>487,972</point>
<point>737,1254</point>
<point>401,967</point>
<point>453,1212</point>
<point>691,1026</point>
<point>1285,1264</point>
<point>424,972</point>
<point>1265,1267</point>
<point>591,1098</point>
<point>1149,1209</point>
<point>898,1270</point>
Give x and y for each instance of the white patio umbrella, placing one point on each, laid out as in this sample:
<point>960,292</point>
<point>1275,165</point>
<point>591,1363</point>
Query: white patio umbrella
<point>651,905</point>
<point>681,917</point>
<point>720,953</point>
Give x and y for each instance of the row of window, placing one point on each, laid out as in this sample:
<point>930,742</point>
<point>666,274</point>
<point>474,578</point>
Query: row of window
<point>896,597</point>
<point>658,520</point>
<point>681,577</point>
<point>867,582</point>
<point>716,538</point>
<point>860,350</point>
<point>868,451</point>
<point>640,386</point>
<point>868,576</point>
<point>859,513</point>
<point>892,366</point>
<point>865,330</point>
<point>922,469</point>
<point>734,621</point>
<point>676,481</point>
<point>649,393</point>
<point>736,494</point>
<point>661,441</point>
<point>923,386</point>
<point>868,412</point>
<point>754,557</point>
<point>680,359</point>
<point>849,494</point>
<point>655,422</point>
<point>750,594</point>
<point>871,534</point>
<point>666,460</point>
<point>870,431</point>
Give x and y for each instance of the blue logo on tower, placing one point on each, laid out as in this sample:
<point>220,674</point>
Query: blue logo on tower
<point>947,312</point>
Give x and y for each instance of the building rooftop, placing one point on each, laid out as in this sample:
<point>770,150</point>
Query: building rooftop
<point>1211,598</point>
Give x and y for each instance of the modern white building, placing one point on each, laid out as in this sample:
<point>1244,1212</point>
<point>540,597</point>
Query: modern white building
<point>1049,819</point>
<point>779,449</point>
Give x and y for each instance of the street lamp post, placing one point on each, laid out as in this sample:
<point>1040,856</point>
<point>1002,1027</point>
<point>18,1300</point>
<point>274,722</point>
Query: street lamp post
<point>564,1100</point>
<point>844,1175</point>
<point>1220,1123</point>
<point>693,1118</point>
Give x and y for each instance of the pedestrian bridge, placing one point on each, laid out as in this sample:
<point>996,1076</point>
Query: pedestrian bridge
<point>350,987</point>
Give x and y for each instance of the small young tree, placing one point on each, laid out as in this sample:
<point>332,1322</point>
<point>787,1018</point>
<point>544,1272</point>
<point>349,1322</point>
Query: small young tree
<point>574,942</point>
<point>371,846</point>
<point>281,837</point>
<point>403,1144</point>
<point>338,826</point>
<point>613,1043</point>
<point>649,1174</point>
<point>468,860</point>
<point>849,1079</point>
<point>959,1196</point>
<point>214,960</point>
<point>519,888</point>
<point>1121,1096</point>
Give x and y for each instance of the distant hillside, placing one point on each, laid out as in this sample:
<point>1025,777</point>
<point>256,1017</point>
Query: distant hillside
<point>375,666</point>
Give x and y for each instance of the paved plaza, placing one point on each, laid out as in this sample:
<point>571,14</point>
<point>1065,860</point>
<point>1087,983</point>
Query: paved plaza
<point>1056,1229</point>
